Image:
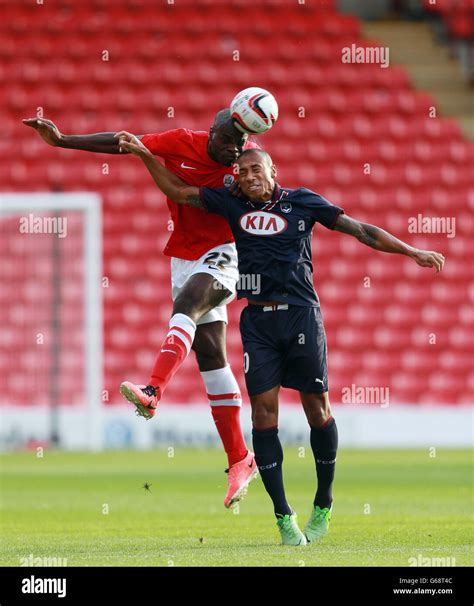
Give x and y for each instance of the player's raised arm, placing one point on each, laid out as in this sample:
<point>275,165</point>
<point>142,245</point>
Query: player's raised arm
<point>104,143</point>
<point>377,238</point>
<point>170,184</point>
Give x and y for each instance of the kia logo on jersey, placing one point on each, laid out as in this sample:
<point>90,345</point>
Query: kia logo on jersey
<point>259,223</point>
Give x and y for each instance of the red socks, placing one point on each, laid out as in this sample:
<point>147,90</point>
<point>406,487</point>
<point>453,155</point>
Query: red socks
<point>222,389</point>
<point>174,350</point>
<point>227,420</point>
<point>225,400</point>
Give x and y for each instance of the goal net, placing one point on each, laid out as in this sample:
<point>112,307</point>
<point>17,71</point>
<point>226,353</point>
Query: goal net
<point>51,320</point>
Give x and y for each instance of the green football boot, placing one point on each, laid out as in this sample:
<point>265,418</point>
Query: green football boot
<point>290,533</point>
<point>318,524</point>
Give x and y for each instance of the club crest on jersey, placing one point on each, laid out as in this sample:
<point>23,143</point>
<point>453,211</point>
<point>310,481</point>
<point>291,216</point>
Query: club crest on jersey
<point>260,223</point>
<point>228,180</point>
<point>285,207</point>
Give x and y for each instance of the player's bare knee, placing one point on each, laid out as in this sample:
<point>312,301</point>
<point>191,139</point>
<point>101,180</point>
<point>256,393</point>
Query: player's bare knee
<point>264,413</point>
<point>317,408</point>
<point>264,419</point>
<point>319,418</point>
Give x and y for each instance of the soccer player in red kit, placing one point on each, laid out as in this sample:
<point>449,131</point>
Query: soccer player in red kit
<point>204,274</point>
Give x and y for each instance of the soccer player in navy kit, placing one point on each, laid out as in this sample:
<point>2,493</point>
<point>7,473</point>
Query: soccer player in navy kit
<point>282,329</point>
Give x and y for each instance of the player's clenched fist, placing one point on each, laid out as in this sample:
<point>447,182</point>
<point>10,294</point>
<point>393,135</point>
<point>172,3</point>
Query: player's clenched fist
<point>46,129</point>
<point>130,143</point>
<point>427,258</point>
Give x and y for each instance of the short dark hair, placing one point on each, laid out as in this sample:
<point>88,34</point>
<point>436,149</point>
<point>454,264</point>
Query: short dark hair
<point>257,150</point>
<point>222,117</point>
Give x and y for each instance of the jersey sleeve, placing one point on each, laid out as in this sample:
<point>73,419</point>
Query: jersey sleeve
<point>166,143</point>
<point>323,211</point>
<point>215,200</point>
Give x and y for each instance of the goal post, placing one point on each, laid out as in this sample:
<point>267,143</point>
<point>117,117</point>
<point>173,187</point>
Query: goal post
<point>34,214</point>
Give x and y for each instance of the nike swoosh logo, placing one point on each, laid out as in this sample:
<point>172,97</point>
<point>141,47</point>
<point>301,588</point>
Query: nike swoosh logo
<point>250,464</point>
<point>170,350</point>
<point>183,165</point>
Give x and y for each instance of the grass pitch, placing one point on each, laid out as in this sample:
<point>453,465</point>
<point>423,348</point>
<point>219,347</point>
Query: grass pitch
<point>92,509</point>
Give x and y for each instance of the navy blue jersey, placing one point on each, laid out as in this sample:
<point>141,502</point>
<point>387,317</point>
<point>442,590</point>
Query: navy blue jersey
<point>273,241</point>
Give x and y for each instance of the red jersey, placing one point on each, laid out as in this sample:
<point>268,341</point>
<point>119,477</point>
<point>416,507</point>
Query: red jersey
<point>185,154</point>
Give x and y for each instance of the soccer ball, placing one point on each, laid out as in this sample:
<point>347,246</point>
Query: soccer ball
<point>254,110</point>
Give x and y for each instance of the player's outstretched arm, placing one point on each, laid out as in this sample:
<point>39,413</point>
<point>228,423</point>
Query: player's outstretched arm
<point>377,238</point>
<point>104,143</point>
<point>170,184</point>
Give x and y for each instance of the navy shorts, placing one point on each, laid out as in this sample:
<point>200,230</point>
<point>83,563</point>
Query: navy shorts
<point>284,347</point>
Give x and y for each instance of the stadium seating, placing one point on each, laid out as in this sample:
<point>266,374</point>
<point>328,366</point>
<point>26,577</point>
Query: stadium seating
<point>457,14</point>
<point>389,322</point>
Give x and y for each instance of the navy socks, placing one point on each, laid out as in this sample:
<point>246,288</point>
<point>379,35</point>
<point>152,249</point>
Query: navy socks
<point>269,458</point>
<point>324,445</point>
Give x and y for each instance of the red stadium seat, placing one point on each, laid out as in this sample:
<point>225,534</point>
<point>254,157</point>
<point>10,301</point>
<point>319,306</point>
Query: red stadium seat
<point>381,361</point>
<point>348,337</point>
<point>389,322</point>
